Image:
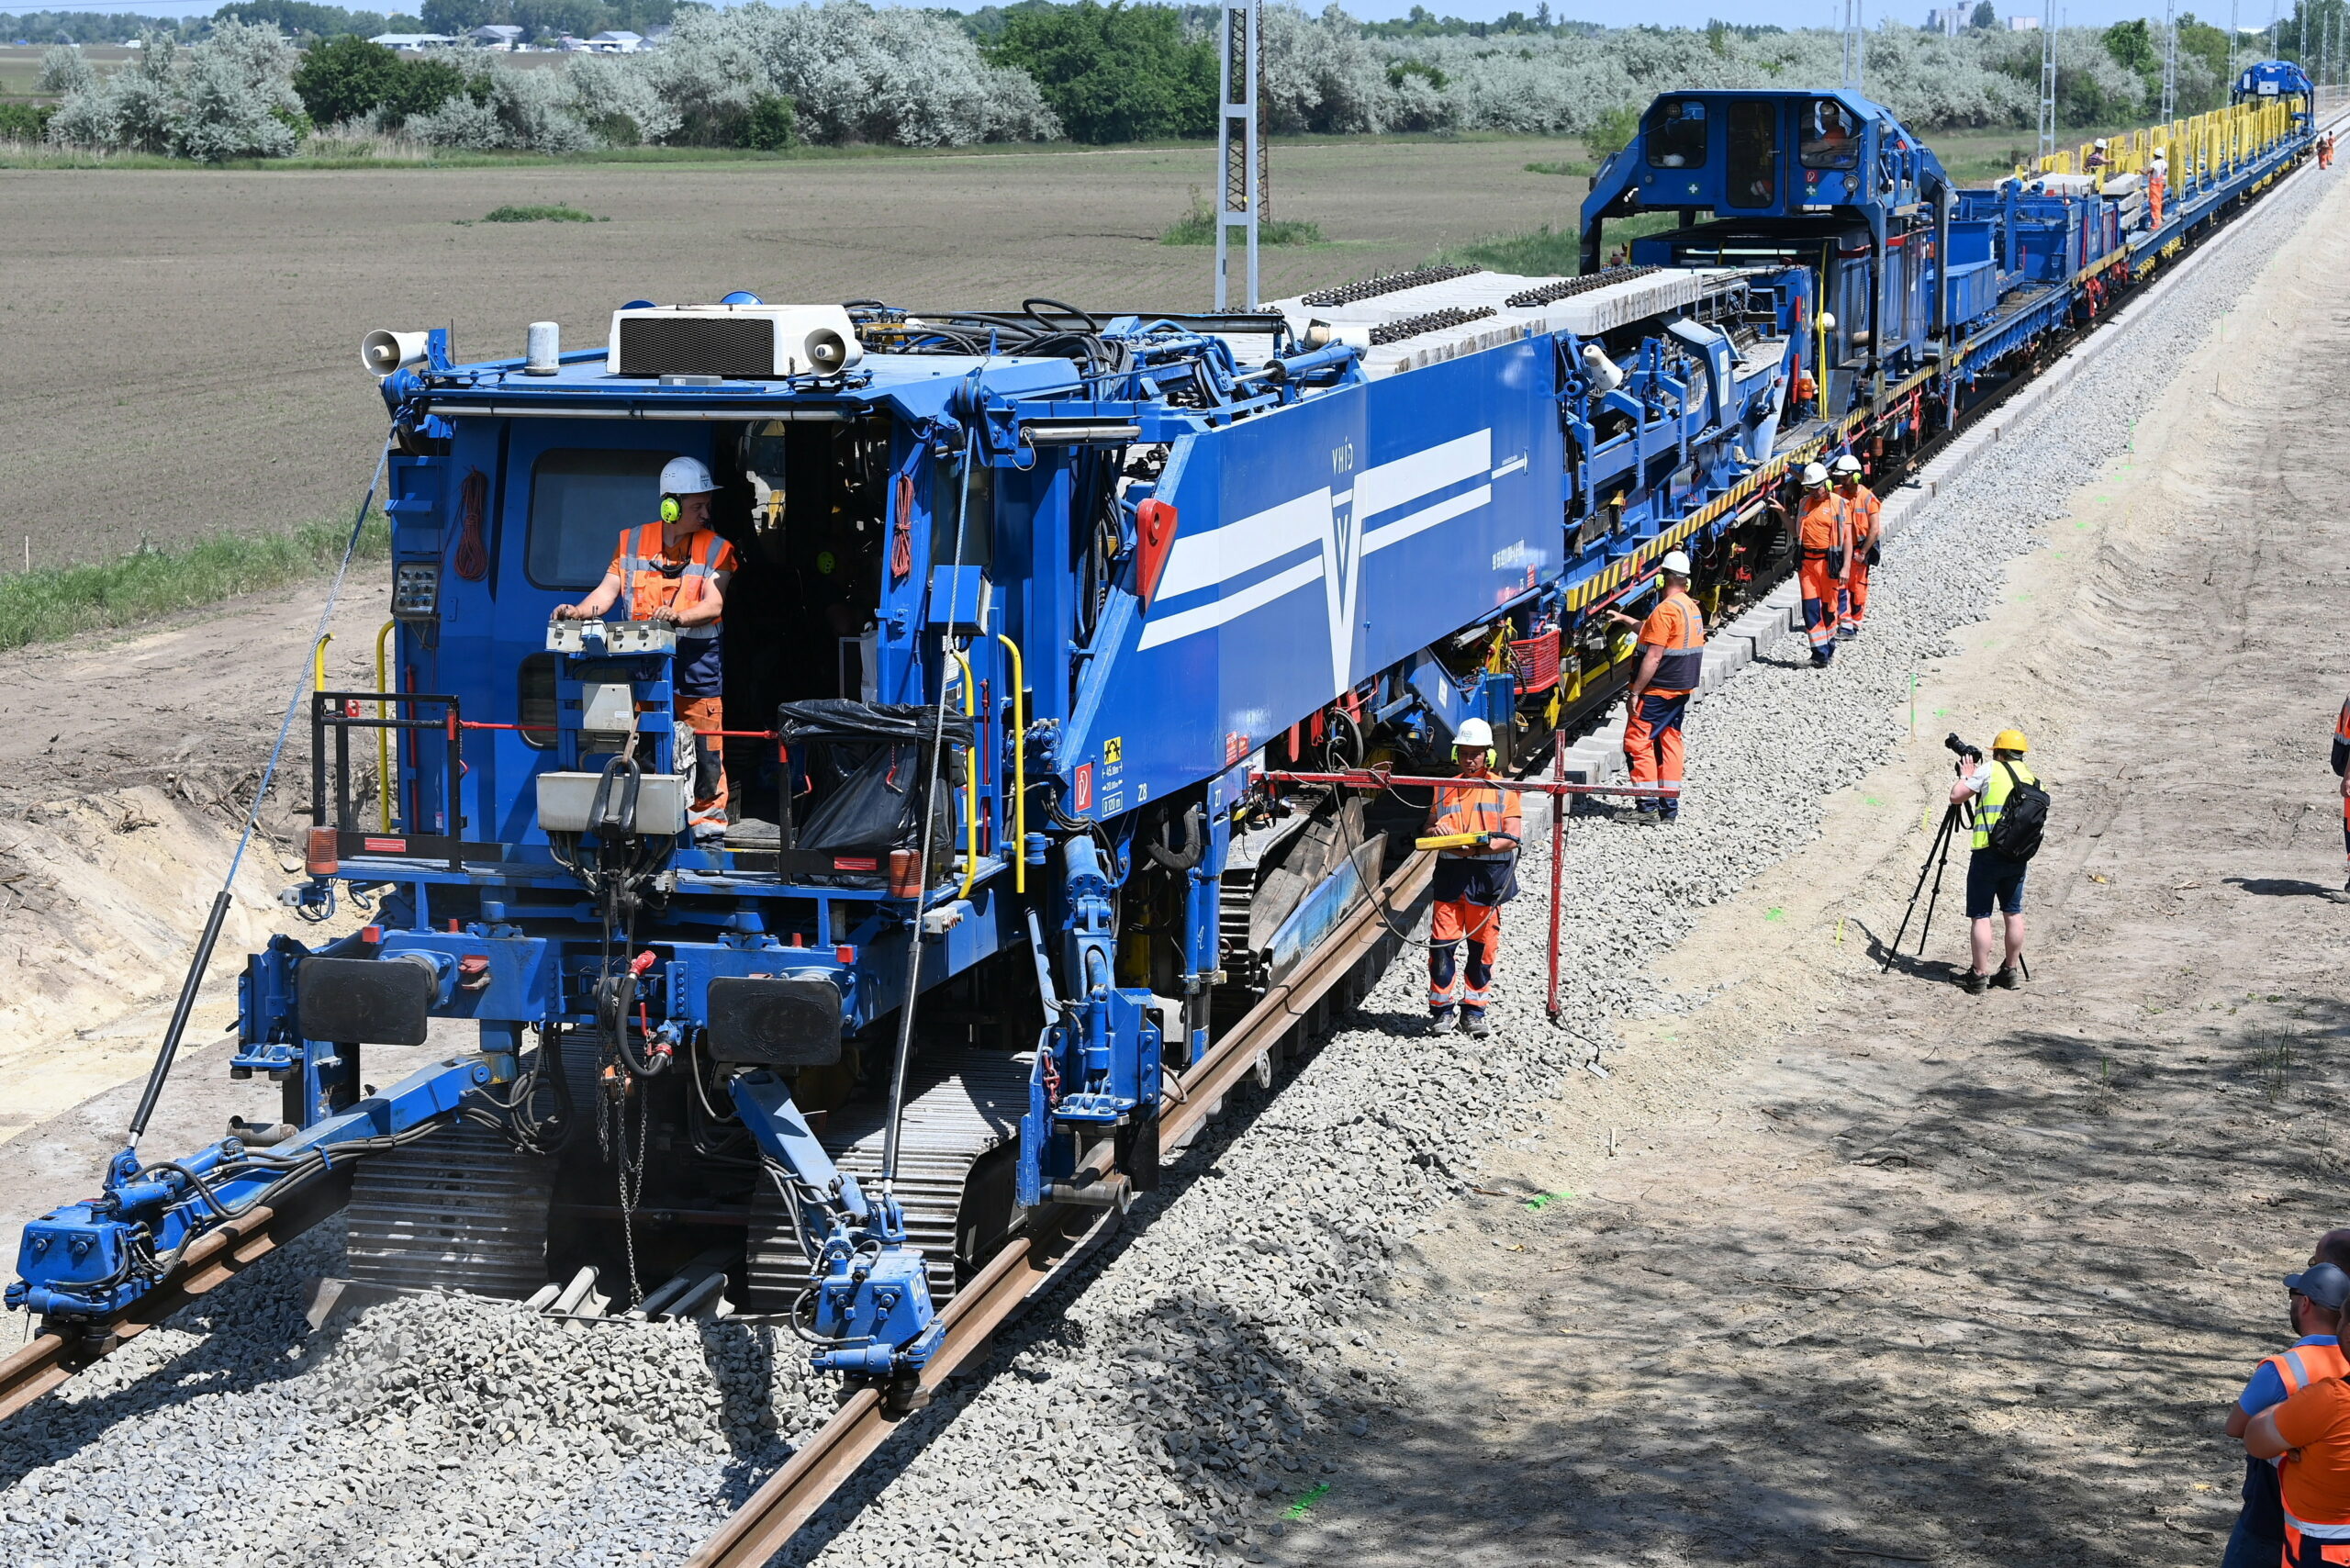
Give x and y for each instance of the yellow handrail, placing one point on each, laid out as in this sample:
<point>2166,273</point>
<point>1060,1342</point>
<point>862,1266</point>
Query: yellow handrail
<point>319,662</point>
<point>384,736</point>
<point>1019,766</point>
<point>970,784</point>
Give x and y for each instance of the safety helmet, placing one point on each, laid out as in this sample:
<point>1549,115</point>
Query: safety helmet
<point>1475,734</point>
<point>686,476</point>
<point>1814,475</point>
<point>2098,144</point>
<point>1676,562</point>
<point>2009,740</point>
<point>1847,463</point>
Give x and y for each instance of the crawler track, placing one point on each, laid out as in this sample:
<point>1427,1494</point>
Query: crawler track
<point>1060,1236</point>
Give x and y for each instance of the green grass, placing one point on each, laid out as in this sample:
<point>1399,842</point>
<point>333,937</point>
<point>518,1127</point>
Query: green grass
<point>1197,227</point>
<point>559,212</point>
<point>1547,252</point>
<point>1574,168</point>
<point>50,602</point>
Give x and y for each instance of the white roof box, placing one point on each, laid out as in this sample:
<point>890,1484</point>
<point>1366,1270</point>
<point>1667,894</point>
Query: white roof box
<point>736,343</point>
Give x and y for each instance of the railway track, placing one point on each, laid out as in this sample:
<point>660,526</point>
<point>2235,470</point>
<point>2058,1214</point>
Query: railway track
<point>1061,1235</point>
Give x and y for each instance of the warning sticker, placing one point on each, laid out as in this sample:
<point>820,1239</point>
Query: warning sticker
<point>1084,790</point>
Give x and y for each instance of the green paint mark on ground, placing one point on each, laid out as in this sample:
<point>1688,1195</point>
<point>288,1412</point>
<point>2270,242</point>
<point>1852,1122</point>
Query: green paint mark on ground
<point>1304,1504</point>
<point>1541,1201</point>
<point>1872,799</point>
<point>1774,914</point>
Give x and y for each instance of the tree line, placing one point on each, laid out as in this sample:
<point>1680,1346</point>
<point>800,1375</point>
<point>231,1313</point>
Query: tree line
<point>763,76</point>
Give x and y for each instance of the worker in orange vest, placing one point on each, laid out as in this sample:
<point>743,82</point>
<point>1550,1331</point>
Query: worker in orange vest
<point>1824,542</point>
<point>2342,769</point>
<point>1861,506</point>
<point>1474,879</point>
<point>2157,180</point>
<point>2315,1299</point>
<point>1672,655</point>
<point>2306,1433</point>
<point>675,572</point>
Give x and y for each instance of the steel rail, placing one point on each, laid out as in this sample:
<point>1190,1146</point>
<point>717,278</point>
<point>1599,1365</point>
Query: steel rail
<point>1056,1239</point>
<point>212,1260</point>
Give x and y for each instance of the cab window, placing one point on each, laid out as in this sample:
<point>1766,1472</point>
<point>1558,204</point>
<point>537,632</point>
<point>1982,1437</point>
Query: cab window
<point>581,498</point>
<point>1750,168</point>
<point>1677,139</point>
<point>1830,136</point>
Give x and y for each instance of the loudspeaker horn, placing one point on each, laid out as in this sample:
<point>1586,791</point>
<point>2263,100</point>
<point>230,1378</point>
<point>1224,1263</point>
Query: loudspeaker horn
<point>383,352</point>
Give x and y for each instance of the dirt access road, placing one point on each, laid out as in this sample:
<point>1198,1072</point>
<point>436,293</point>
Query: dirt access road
<point>183,346</point>
<point>1933,1278</point>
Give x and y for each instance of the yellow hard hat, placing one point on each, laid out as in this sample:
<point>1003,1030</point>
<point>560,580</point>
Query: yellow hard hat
<point>2009,740</point>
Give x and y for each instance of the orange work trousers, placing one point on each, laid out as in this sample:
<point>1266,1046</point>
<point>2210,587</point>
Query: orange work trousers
<point>1481,925</point>
<point>1857,596</point>
<point>706,753</point>
<point>1652,748</point>
<point>1821,604</point>
<point>2308,1551</point>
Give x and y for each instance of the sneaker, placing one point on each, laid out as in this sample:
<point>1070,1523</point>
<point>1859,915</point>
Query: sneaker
<point>710,832</point>
<point>1477,1026</point>
<point>1440,1023</point>
<point>1972,983</point>
<point>2009,978</point>
<point>1820,657</point>
<point>1846,634</point>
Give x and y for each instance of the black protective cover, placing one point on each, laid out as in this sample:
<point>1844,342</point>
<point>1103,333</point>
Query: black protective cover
<point>368,1002</point>
<point>775,1023</point>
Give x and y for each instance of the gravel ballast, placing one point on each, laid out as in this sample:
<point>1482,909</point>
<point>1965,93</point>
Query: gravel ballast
<point>1166,1407</point>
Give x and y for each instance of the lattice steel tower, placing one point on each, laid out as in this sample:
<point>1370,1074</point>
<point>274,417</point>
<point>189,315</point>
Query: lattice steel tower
<point>2047,77</point>
<point>1240,153</point>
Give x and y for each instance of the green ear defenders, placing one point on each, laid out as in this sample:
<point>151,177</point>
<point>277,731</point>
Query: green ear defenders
<point>669,509</point>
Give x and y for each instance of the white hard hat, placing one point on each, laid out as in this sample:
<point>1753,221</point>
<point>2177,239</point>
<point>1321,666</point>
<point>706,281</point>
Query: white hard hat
<point>686,476</point>
<point>1847,463</point>
<point>1814,473</point>
<point>2099,145</point>
<point>1473,734</point>
<point>1676,562</point>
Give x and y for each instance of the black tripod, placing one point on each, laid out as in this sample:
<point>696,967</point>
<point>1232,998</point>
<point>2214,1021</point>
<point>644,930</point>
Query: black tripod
<point>1937,857</point>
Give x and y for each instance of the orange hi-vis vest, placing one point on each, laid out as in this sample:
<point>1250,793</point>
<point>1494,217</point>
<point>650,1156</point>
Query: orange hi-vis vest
<point>1861,509</point>
<point>1679,628</point>
<point>1477,806</point>
<point>1826,524</point>
<point>2305,1364</point>
<point>651,583</point>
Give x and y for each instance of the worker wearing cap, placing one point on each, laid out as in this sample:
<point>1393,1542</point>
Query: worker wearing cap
<point>675,572</point>
<point>1993,878</point>
<point>1472,879</point>
<point>2313,1305</point>
<point>2308,1432</point>
<point>1861,507</point>
<point>1671,657</point>
<point>1823,528</point>
<point>2342,771</point>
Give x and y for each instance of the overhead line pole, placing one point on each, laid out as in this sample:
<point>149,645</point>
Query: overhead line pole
<point>2047,77</point>
<point>1240,167</point>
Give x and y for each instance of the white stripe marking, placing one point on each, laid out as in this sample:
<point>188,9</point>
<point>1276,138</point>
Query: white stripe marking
<point>1202,560</point>
<point>1406,481</point>
<point>1166,629</point>
<point>1404,527</point>
<point>1515,465</point>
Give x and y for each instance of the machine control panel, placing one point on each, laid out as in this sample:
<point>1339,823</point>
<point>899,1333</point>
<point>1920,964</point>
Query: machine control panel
<point>608,639</point>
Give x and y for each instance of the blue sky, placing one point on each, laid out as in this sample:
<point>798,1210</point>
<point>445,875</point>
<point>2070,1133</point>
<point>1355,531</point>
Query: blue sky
<point>1682,13</point>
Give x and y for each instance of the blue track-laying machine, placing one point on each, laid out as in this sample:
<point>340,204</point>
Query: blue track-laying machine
<point>1027,603</point>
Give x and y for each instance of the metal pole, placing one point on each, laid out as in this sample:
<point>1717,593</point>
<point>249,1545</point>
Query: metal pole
<point>2047,77</point>
<point>1559,804</point>
<point>2170,62</point>
<point>1855,45</point>
<point>1240,151</point>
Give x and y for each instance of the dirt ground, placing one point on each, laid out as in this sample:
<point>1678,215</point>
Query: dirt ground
<point>1845,1267</point>
<point>184,346</point>
<point>123,762</point>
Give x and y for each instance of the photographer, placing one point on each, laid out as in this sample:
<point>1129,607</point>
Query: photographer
<point>1995,871</point>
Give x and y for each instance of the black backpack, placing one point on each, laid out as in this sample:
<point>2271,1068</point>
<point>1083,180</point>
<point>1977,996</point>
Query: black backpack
<point>2022,818</point>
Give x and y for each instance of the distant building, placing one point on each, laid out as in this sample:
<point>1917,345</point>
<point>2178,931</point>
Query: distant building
<point>1949,20</point>
<point>616,43</point>
<point>2023,24</point>
<point>496,35</point>
<point>415,41</point>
